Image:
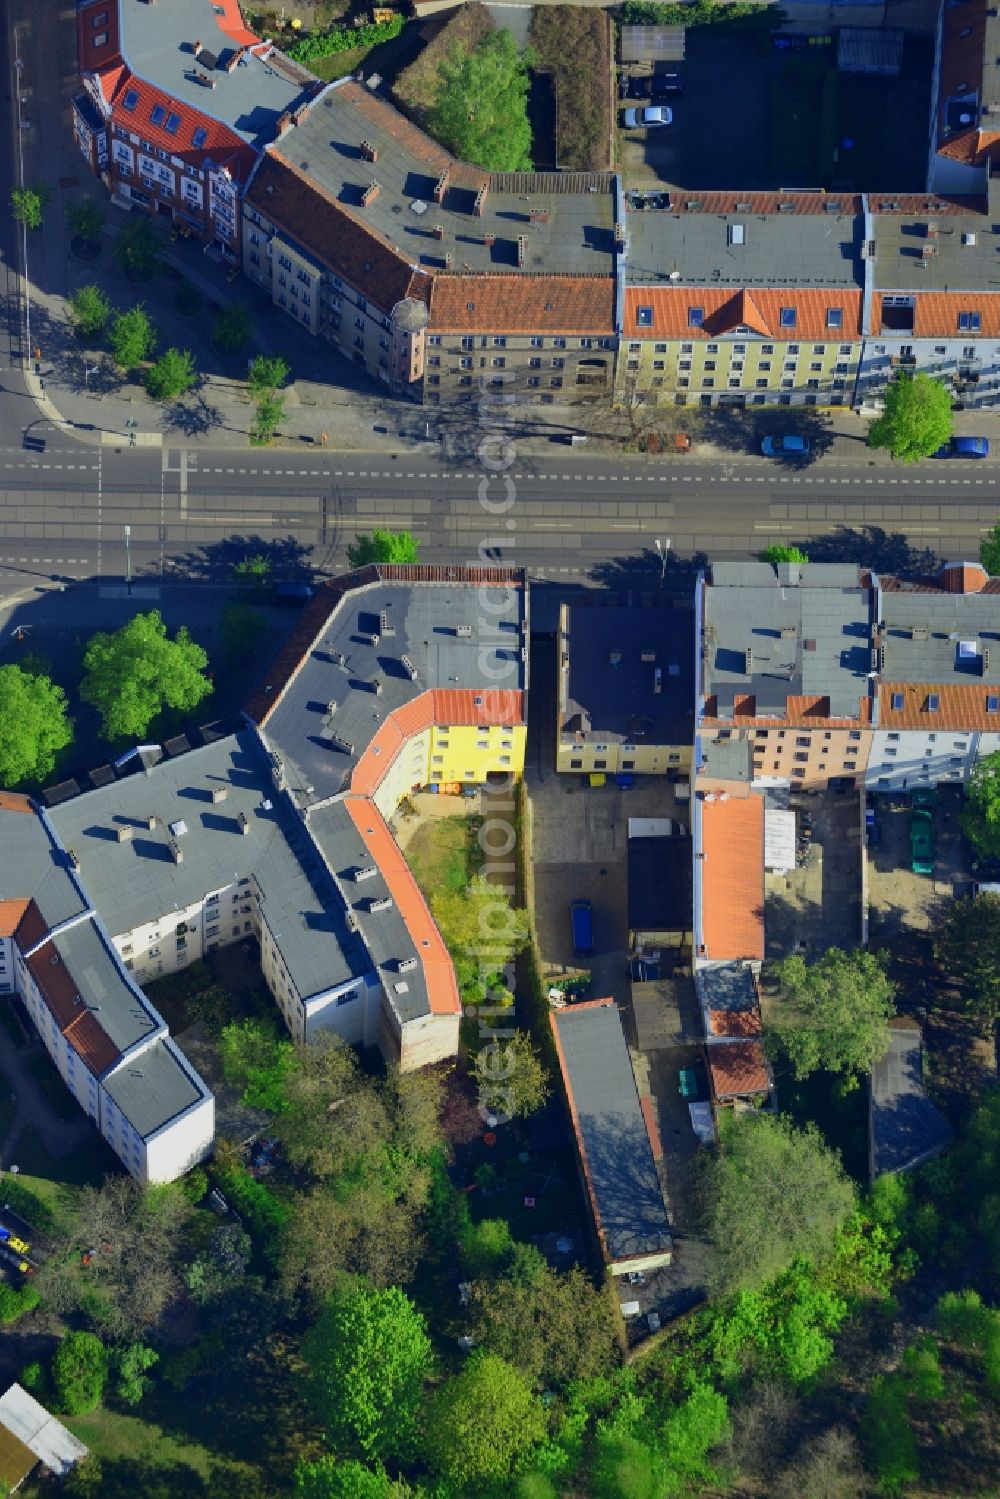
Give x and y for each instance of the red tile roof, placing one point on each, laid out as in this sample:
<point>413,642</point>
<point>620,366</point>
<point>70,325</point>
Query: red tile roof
<point>738,1068</point>
<point>963,54</point>
<point>972,147</point>
<point>936,313</point>
<point>732,878</point>
<point>901,204</point>
<point>964,577</point>
<point>722,309</point>
<point>31,928</point>
<point>735,1022</point>
<point>79,1025</point>
<point>222,145</point>
<point>522,303</point>
<point>961,706</point>
<point>735,200</point>
<point>13,801</point>
<point>11,912</point>
<point>442,989</point>
<point>807,711</point>
<point>231,23</point>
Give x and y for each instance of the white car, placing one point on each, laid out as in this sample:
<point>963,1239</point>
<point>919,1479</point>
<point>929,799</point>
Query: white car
<point>643,119</point>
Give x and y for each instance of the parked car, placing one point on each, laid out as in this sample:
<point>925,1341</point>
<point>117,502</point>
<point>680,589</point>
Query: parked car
<point>785,447</point>
<point>582,919</point>
<point>646,119</point>
<point>921,841</point>
<point>965,447</point>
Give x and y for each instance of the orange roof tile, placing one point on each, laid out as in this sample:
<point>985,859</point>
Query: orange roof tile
<point>732,878</point>
<point>738,1068</point>
<point>735,1022</point>
<point>442,989</point>
<point>964,577</point>
<point>669,312</point>
<point>78,1024</point>
<point>961,706</point>
<point>652,1128</point>
<point>963,53</point>
<point>522,303</point>
<point>386,745</point>
<point>500,706</point>
<point>12,801</point>
<point>737,200</point>
<point>11,912</point>
<point>936,312</point>
<point>222,145</point>
<point>809,712</point>
<point>31,928</point>
<point>901,204</point>
<point>741,311</point>
<point>229,19</point>
<point>973,147</point>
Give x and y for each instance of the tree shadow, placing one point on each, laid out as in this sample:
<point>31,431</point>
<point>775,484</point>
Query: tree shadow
<point>193,417</point>
<point>644,570</point>
<point>872,546</point>
<point>214,560</point>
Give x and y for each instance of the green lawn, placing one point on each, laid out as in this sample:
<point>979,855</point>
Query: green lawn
<point>444,854</point>
<point>338,64</point>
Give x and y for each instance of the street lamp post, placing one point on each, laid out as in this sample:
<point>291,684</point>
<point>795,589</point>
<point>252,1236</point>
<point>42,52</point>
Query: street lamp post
<point>128,560</point>
<point>88,370</point>
<point>663,552</point>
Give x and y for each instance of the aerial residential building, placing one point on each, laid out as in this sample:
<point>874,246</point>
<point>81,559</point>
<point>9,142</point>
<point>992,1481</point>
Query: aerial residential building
<point>179,100</point>
<point>395,678</point>
<point>965,103</point>
<point>786,665</point>
<point>435,275</point>
<point>625,699</point>
<point>613,1139</point>
<point>742,299</point>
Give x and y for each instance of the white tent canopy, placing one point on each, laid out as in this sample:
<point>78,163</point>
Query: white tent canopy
<point>40,1432</point>
<point>779,840</point>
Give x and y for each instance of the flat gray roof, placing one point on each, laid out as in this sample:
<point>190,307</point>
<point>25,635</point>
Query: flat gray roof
<point>32,866</point>
<point>154,1087</point>
<point>134,882</point>
<point>957,263</point>
<point>611,1132</point>
<point>572,231</point>
<point>906,1127</point>
<point>727,986</point>
<point>158,41</point>
<point>425,618</point>
<point>696,249</point>
<point>612,691</point>
<point>807,628</point>
<point>953,630</point>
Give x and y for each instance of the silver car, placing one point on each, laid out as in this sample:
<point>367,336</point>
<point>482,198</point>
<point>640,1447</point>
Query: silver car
<point>643,119</point>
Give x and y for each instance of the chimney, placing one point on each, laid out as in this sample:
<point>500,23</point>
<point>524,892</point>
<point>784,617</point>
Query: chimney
<point>440,188</point>
<point>539,216</point>
<point>522,249</point>
<point>196,49</point>
<point>244,824</point>
<point>447,262</point>
<point>284,123</point>
<point>438,231</point>
<point>233,62</point>
<point>124,833</point>
<point>489,240</point>
<point>74,860</point>
<point>368,151</point>
<point>151,820</point>
<point>370,193</point>
<point>219,794</point>
<point>480,203</point>
<point>176,852</point>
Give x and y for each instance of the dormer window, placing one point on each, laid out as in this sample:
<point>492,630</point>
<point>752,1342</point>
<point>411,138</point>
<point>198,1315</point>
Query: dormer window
<point>969,322</point>
<point>788,317</point>
<point>696,317</point>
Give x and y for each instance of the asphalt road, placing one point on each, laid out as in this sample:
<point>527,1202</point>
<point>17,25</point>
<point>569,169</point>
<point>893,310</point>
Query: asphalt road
<point>192,512</point>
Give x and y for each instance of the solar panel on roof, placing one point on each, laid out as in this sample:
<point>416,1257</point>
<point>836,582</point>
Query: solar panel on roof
<point>157,114</point>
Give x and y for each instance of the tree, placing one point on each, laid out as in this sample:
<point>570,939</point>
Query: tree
<point>781,552</point>
<point>482,1425</point>
<point>172,375</point>
<point>989,551</point>
<point>242,632</point>
<point>483,932</point>
<point>827,1466</point>
<point>330,1478</point>
<point>232,329</point>
<point>689,1433</point>
<point>27,204</point>
<point>833,1013</point>
<point>383,546</point>
<point>968,949</point>
<point>774,1194</point>
<point>481,111</point>
<point>132,675</point>
<point>266,375</point>
<point>368,1356</point>
<point>79,1372</point>
<point>137,250</point>
<point>91,310</point>
<point>133,338</point>
<point>552,1327</point>
<point>268,417</point>
<point>917,418</point>
<point>252,573</point>
<point>257,1061</point>
<point>86,221</point>
<point>512,1078</point>
<point>363,1230</point>
<point>133,1379</point>
<point>15,1302</point>
<point>33,726</point>
<point>981,814</point>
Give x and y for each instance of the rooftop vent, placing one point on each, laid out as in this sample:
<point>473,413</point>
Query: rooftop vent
<point>381,903</point>
<point>244,823</point>
<point>124,833</point>
<point>371,639</point>
<point>406,965</point>
<point>344,745</point>
<point>522,249</point>
<point>748,662</point>
<point>219,794</point>
<point>178,829</point>
<point>464,632</point>
<point>479,206</point>
<point>384,625</point>
<point>647,654</point>
<point>176,852</point>
<point>408,667</point>
<point>331,707</point>
<point>364,872</point>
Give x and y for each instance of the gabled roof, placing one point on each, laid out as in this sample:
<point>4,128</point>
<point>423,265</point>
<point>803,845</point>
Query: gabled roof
<point>738,1068</point>
<point>741,311</point>
<point>668,311</point>
<point>960,706</point>
<point>936,313</point>
<point>522,303</point>
<point>972,147</point>
<point>221,144</point>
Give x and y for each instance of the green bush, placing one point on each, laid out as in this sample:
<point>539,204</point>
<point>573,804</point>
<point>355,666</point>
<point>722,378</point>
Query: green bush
<point>343,39</point>
<point>260,1210</point>
<point>700,13</point>
<point>14,1304</point>
<point>79,1372</point>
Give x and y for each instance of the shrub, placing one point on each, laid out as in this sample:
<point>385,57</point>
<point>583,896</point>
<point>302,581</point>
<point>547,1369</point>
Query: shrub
<point>14,1304</point>
<point>343,39</point>
<point>79,1372</point>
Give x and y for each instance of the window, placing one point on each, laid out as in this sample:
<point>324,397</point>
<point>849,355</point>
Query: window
<point>711,348</point>
<point>101,39</point>
<point>538,343</point>
<point>559,343</point>
<point>687,348</point>
<point>499,362</point>
<point>130,100</point>
<point>635,348</point>
<point>657,348</point>
<point>558,363</point>
<point>157,114</point>
<point>788,317</point>
<point>992,703</point>
<point>500,343</point>
<point>100,20</point>
<point>470,343</point>
<point>708,384</point>
<point>815,366</point>
<point>684,364</point>
<point>173,124</point>
<point>696,316</point>
<point>644,317</point>
<point>765,364</point>
<point>933,702</point>
<point>897,701</point>
<point>834,317</point>
<point>793,348</point>
<point>767,348</point>
<point>710,364</point>
<point>968,322</point>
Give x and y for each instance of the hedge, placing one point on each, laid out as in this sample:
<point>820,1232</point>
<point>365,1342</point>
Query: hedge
<point>697,13</point>
<point>342,39</point>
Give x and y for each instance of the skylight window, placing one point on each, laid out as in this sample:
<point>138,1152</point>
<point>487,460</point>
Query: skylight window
<point>834,317</point>
<point>897,701</point>
<point>968,322</point>
<point>173,123</point>
<point>157,114</point>
<point>992,703</point>
<point>788,317</point>
<point>199,138</point>
<point>644,317</point>
<point>130,100</point>
<point>696,316</point>
<point>933,702</point>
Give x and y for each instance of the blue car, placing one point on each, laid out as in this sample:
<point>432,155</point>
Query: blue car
<point>785,447</point>
<point>965,447</point>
